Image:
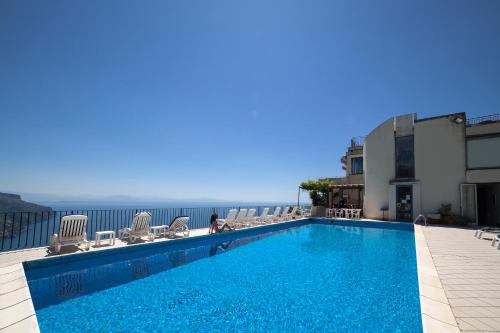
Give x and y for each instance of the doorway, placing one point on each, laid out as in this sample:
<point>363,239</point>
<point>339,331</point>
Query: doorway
<point>488,204</point>
<point>404,203</point>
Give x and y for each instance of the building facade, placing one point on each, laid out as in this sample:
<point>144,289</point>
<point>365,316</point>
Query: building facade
<point>413,166</point>
<point>349,190</point>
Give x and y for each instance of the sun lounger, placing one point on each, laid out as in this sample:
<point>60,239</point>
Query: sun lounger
<point>492,230</point>
<point>304,212</point>
<point>250,218</point>
<point>284,215</point>
<point>290,215</point>
<point>72,231</point>
<point>275,216</point>
<point>496,239</point>
<point>230,218</point>
<point>262,219</point>
<point>139,228</point>
<point>179,225</point>
<point>241,217</point>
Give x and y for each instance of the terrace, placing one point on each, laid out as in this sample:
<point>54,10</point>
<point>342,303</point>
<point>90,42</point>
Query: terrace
<point>457,274</point>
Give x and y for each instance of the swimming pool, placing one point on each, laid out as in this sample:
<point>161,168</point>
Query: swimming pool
<point>312,275</point>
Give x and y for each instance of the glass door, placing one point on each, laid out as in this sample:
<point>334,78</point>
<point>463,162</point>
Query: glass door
<point>404,203</point>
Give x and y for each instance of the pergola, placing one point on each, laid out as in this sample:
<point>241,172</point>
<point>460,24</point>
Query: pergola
<point>343,187</point>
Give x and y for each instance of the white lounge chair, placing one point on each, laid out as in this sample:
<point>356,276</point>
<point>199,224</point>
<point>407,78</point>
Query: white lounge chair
<point>72,231</point>
<point>250,218</point>
<point>263,217</point>
<point>276,215</point>
<point>496,239</point>
<point>241,217</point>
<point>289,215</point>
<point>293,213</point>
<point>139,228</point>
<point>488,230</point>
<point>284,214</point>
<point>230,218</point>
<point>179,225</point>
<point>305,212</point>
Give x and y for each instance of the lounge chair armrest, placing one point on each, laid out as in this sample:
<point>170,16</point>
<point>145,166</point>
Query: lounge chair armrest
<point>53,239</point>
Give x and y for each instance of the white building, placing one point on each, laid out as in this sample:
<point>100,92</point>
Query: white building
<point>412,166</point>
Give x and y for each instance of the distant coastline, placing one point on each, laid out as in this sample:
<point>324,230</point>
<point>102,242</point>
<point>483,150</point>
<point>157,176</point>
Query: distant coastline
<point>98,205</point>
<point>14,203</point>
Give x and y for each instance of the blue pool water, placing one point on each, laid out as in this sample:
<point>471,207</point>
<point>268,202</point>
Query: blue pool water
<point>311,277</point>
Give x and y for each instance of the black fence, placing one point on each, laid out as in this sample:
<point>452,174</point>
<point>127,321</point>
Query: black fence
<point>21,230</point>
<point>492,118</point>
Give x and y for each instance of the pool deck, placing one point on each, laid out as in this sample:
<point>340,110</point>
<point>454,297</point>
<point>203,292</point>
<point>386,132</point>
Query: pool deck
<point>469,273</point>
<point>459,282</point>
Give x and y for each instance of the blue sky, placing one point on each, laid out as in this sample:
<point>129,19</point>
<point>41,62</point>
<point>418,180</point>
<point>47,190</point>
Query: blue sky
<point>236,100</point>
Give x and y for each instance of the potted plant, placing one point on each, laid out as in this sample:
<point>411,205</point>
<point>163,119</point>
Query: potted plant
<point>318,192</point>
<point>449,218</point>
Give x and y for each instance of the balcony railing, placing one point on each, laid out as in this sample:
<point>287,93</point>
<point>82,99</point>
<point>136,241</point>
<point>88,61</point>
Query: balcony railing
<point>484,119</point>
<point>20,230</point>
<point>358,141</point>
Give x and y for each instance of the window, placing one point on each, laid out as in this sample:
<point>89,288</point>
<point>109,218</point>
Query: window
<point>483,152</point>
<point>405,158</point>
<point>356,165</point>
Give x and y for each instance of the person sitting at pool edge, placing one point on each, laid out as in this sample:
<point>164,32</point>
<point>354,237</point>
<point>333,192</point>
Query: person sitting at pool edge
<point>214,226</point>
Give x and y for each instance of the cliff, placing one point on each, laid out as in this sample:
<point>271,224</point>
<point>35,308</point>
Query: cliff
<point>14,203</point>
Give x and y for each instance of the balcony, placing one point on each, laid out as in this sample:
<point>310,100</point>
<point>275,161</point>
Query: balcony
<point>492,118</point>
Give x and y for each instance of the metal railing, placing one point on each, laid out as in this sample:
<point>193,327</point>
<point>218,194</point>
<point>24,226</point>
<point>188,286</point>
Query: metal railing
<point>21,230</point>
<point>484,119</point>
<point>358,141</point>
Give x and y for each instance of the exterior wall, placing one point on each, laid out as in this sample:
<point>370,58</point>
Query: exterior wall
<point>439,163</point>
<point>378,165</point>
<point>356,179</point>
<point>483,176</point>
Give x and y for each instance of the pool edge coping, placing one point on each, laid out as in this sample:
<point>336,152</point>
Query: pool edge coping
<point>437,316</point>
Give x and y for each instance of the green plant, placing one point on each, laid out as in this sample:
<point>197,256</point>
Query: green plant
<point>445,210</point>
<point>318,190</point>
<point>452,219</point>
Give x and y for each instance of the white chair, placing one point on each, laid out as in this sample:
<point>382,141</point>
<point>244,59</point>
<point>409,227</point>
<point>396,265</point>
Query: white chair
<point>284,214</point>
<point>496,239</point>
<point>139,228</point>
<point>230,218</point>
<point>250,218</point>
<point>72,231</point>
<point>179,225</point>
<point>357,213</point>
<point>263,217</point>
<point>275,216</point>
<point>291,214</point>
<point>305,212</point>
<point>241,217</point>
<point>488,230</point>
